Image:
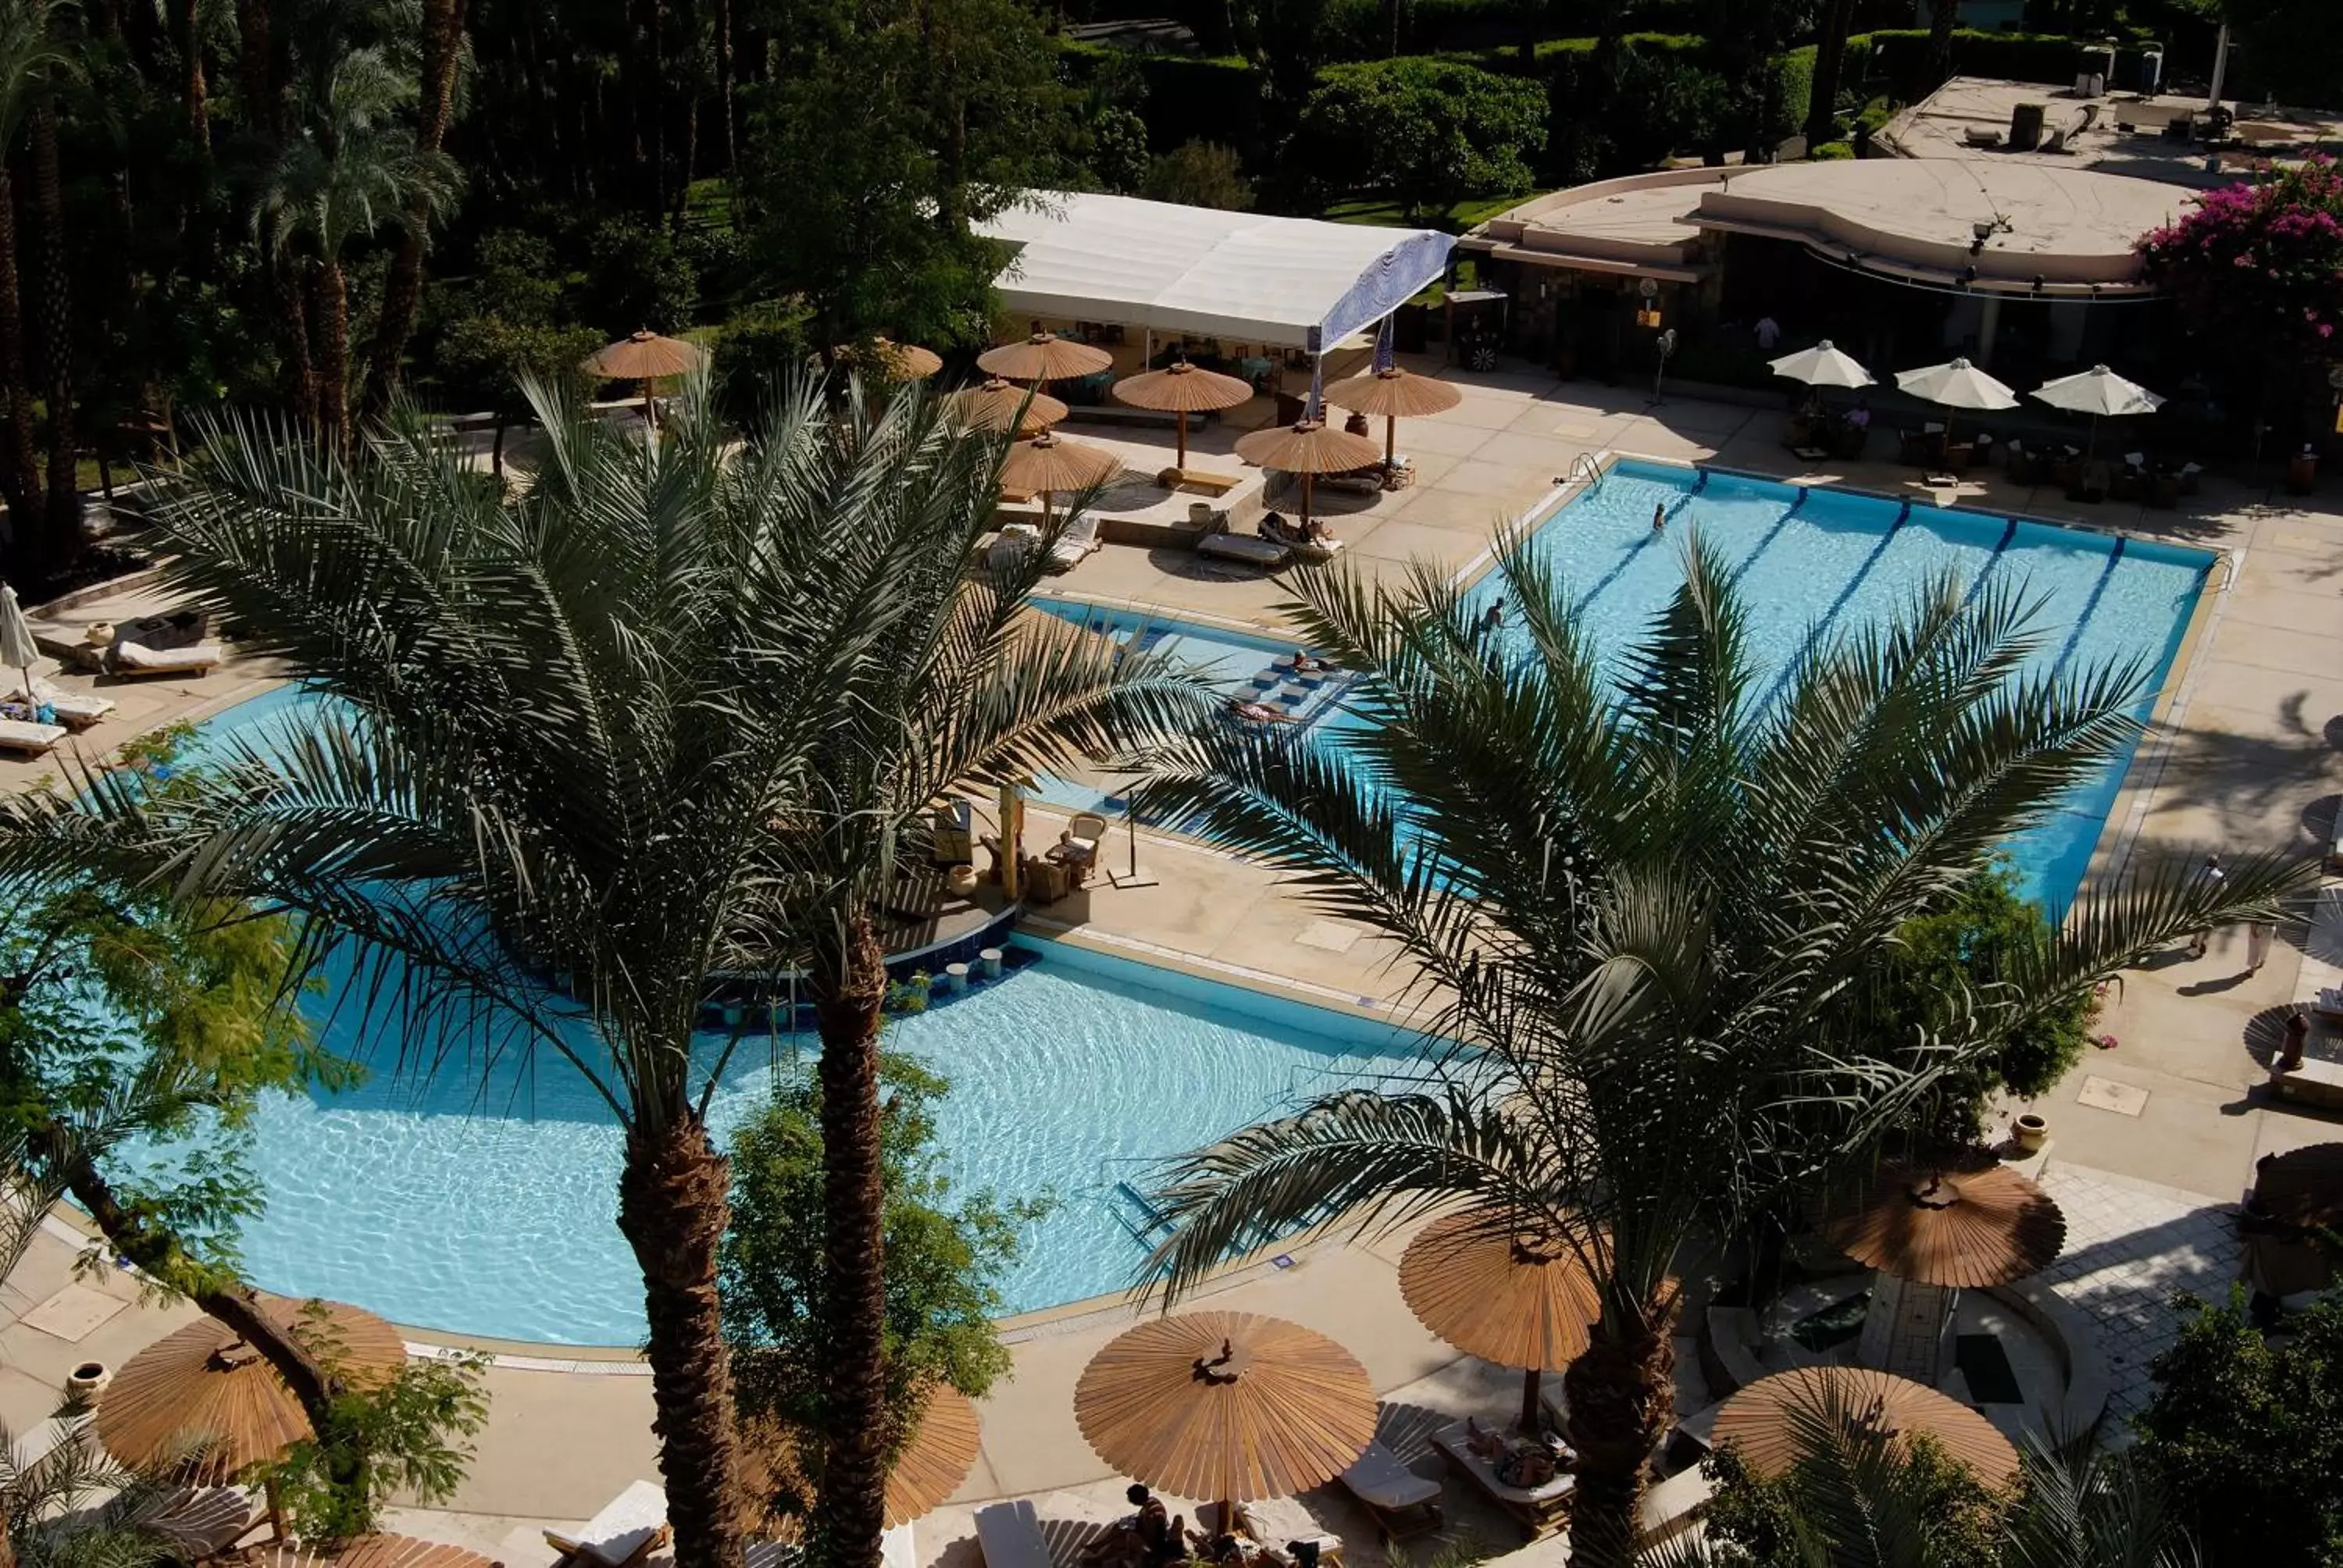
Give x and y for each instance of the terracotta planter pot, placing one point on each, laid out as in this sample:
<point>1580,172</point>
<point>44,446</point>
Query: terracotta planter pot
<point>2031,1132</point>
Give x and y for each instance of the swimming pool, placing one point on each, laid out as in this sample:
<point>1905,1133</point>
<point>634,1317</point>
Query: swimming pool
<point>1814,561</point>
<point>488,1207</point>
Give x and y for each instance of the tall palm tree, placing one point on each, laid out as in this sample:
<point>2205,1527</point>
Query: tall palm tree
<point>441,60</point>
<point>1642,902</point>
<point>348,171</point>
<point>33,59</point>
<point>610,731</point>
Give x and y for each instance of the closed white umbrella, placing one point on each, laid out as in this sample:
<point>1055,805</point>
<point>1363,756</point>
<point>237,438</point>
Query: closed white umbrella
<point>2097,391</point>
<point>1823,365</point>
<point>17,647</point>
<point>1957,384</point>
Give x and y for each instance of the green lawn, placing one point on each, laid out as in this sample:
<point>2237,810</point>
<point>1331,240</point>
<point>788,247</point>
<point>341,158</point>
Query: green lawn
<point>1460,218</point>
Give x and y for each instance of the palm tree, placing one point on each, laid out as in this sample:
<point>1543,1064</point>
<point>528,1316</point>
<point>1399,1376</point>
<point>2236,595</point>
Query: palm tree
<point>348,171</point>
<point>609,732</point>
<point>71,1506</point>
<point>1642,903</point>
<point>441,59</point>
<point>32,60</point>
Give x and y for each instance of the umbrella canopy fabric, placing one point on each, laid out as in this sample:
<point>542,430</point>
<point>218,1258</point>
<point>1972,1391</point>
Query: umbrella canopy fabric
<point>1046,464</point>
<point>370,1552</point>
<point>2097,391</point>
<point>1044,357</point>
<point>994,405</point>
<point>1226,1407</point>
<point>938,1458</point>
<point>1957,384</point>
<point>17,648</point>
<point>1183,388</point>
<point>646,357</point>
<point>1395,394</point>
<point>203,1386</point>
<point>1308,448</point>
<point>1498,1297</point>
<point>1758,1419</point>
<point>1823,365</point>
<point>1960,1228</point>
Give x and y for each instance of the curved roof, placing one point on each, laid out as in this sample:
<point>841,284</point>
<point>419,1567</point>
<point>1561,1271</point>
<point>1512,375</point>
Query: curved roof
<point>2072,228</point>
<point>1285,280</point>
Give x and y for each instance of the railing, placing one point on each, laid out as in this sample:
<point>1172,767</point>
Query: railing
<point>1586,470</point>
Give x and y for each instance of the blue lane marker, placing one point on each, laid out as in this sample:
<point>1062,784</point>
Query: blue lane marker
<point>1822,627</point>
<point>2007,534</point>
<point>1771,534</point>
<point>2074,634</point>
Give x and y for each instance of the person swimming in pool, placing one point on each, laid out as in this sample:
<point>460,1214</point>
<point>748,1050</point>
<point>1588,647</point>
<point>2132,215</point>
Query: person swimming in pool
<point>1659,516</point>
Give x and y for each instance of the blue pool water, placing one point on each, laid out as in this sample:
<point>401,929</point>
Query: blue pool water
<point>1809,562</point>
<point>488,1207</point>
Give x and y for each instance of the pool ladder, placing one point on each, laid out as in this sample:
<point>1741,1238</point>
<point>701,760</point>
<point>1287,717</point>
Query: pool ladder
<point>1584,470</point>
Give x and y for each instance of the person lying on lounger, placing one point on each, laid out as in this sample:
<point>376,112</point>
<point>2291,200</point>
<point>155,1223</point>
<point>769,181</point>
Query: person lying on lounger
<point>1259,712</point>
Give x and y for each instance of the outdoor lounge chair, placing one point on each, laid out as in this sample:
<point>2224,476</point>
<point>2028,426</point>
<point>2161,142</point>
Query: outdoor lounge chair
<point>1199,479</point>
<point>1251,548</point>
<point>1009,1536</point>
<point>630,1526</point>
<point>1074,543</point>
<point>31,740</point>
<point>137,658</point>
<point>201,1522</point>
<point>75,710</point>
<point>898,1548</point>
<point>1540,1509</point>
<point>1403,1503</point>
<point>1276,1523</point>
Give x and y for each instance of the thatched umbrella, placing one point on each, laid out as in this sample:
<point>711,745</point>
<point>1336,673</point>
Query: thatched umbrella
<point>202,1384</point>
<point>997,405</point>
<point>1516,1301</point>
<point>645,357</point>
<point>1964,1224</point>
<point>1047,464</point>
<point>1395,394</point>
<point>2297,1195</point>
<point>1181,389</point>
<point>1760,1420</point>
<point>1043,359</point>
<point>942,1451</point>
<point>905,361</point>
<point>1308,449</point>
<point>1226,1407</point>
<point>370,1552</point>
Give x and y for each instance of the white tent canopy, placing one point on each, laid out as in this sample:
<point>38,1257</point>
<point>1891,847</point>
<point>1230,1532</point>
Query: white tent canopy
<point>1289,281</point>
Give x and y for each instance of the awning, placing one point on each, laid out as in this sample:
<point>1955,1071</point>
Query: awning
<point>1290,281</point>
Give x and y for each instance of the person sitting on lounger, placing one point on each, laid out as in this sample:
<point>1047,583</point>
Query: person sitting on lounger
<point>1164,1535</point>
<point>1258,712</point>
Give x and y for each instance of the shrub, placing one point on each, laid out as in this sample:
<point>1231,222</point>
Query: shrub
<point>1199,174</point>
<point>637,277</point>
<point>1831,152</point>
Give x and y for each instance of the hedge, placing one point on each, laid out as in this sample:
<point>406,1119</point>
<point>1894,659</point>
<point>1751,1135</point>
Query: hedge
<point>1190,97</point>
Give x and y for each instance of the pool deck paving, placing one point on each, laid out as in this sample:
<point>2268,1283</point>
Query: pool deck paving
<point>2153,1137</point>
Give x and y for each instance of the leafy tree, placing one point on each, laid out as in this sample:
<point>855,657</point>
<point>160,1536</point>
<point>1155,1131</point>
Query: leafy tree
<point>2246,1434</point>
<point>507,327</point>
<point>945,1263</point>
<point>2293,49</point>
<point>637,280</point>
<point>1644,906</point>
<point>670,713</point>
<point>1429,132</point>
<point>1199,174</point>
<point>1985,937</point>
<point>2256,271</point>
<point>401,1439</point>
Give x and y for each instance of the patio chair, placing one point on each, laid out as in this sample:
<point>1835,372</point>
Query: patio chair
<point>1077,845</point>
<point>30,740</point>
<point>629,1527</point>
<point>1402,1503</point>
<point>75,710</point>
<point>135,659</point>
<point>1009,1534</point>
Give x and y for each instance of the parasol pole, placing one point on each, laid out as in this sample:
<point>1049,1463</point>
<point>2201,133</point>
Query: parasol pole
<point>1391,439</point>
<point>1530,1412</point>
<point>1306,477</point>
<point>1181,416</point>
<point>651,418</point>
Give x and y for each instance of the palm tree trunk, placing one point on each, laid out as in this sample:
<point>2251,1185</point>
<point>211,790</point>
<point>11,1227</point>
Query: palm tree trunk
<point>724,85</point>
<point>256,67</point>
<point>64,520</point>
<point>673,1206</point>
<point>1830,61</point>
<point>293,317</point>
<point>1944,15</point>
<point>402,293</point>
<point>20,475</point>
<point>334,367</point>
<point>195,96</point>
<point>1622,1395</point>
<point>156,1250</point>
<point>849,984</point>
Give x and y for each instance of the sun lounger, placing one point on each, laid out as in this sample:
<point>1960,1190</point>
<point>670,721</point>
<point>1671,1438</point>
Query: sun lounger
<point>1074,543</point>
<point>1009,1536</point>
<point>33,739</point>
<point>1251,548</point>
<point>1540,1509</point>
<point>1199,479</point>
<point>137,658</point>
<point>898,1548</point>
<point>629,1527</point>
<point>1010,544</point>
<point>75,710</point>
<point>201,1522</point>
<point>1404,1502</point>
<point>1276,1523</point>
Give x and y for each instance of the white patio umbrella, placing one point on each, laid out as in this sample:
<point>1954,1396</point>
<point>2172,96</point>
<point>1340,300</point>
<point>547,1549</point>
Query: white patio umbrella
<point>1957,384</point>
<point>1823,365</point>
<point>2097,391</point>
<point>17,648</point>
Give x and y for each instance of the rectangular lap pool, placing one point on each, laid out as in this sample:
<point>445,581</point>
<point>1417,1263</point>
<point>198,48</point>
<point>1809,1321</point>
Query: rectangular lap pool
<point>1810,562</point>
